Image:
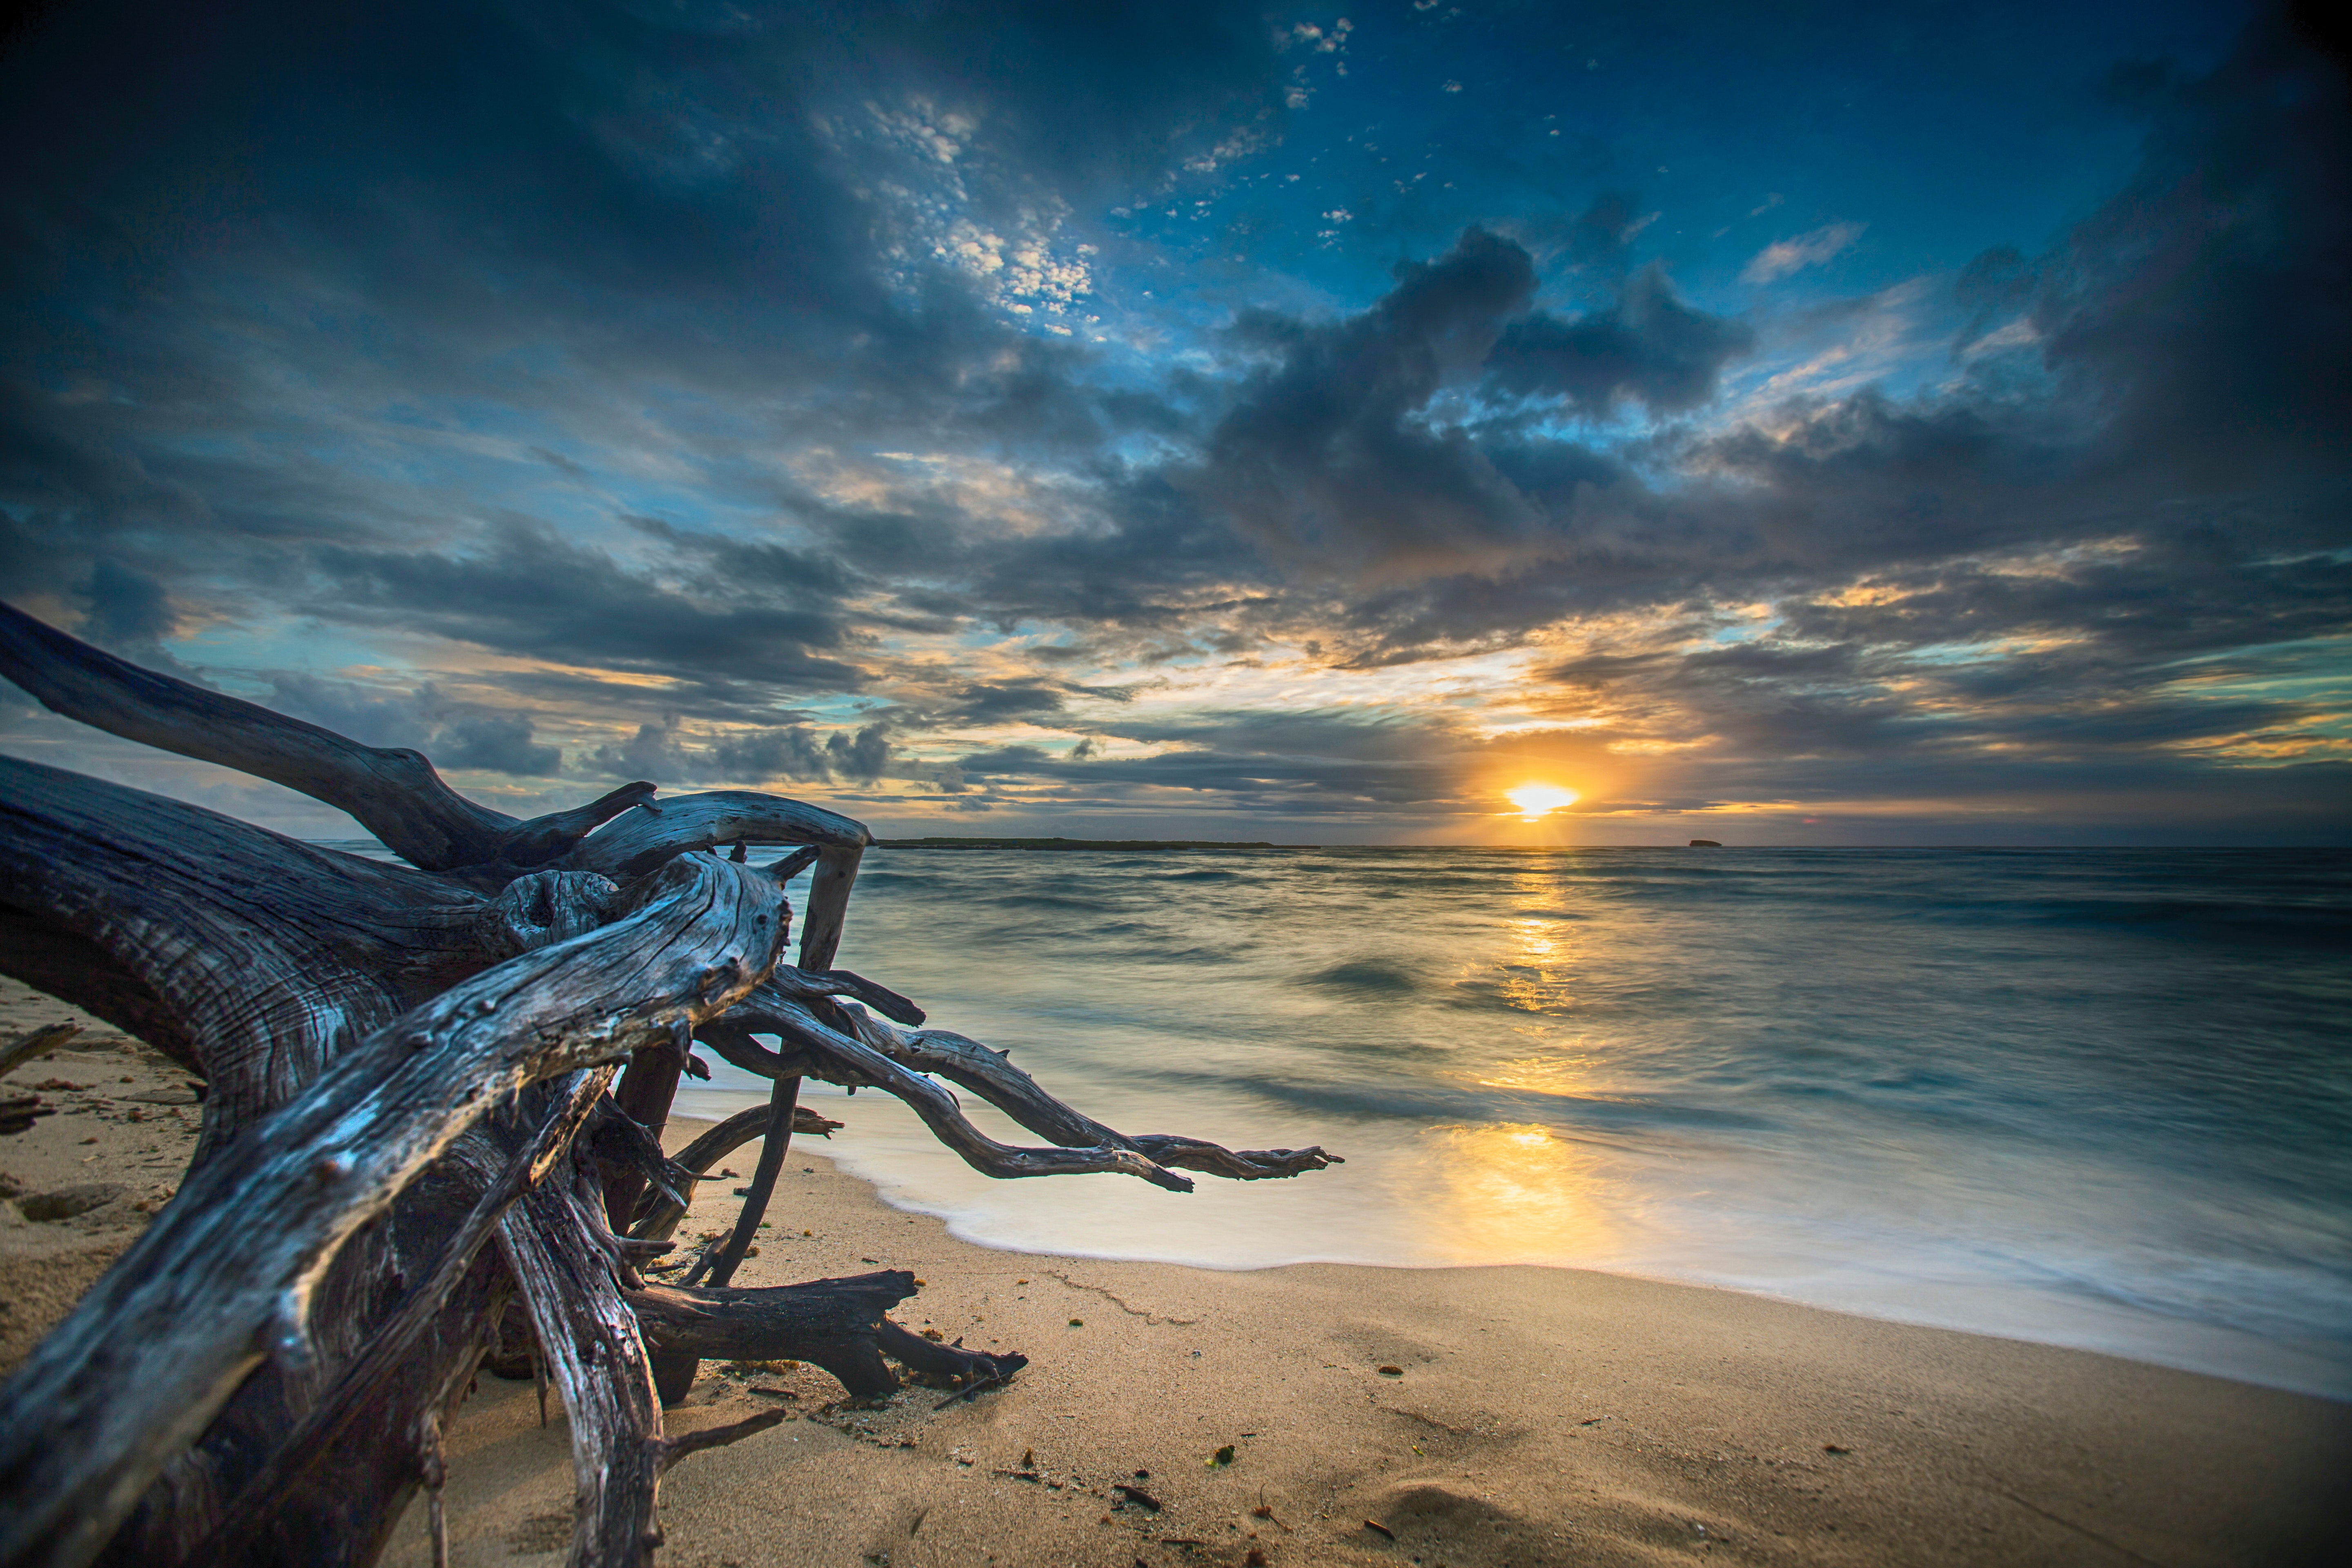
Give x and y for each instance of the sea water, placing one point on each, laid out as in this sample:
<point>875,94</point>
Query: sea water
<point>2091,1098</point>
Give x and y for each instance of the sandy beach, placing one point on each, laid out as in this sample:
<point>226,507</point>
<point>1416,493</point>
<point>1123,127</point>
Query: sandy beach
<point>1364,1415</point>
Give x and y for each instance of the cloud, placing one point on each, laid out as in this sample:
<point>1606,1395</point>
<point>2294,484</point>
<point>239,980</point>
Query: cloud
<point>456,735</point>
<point>496,743</point>
<point>127,608</point>
<point>1782,257</point>
<point>1324,457</point>
<point>796,753</point>
<point>1648,347</point>
<point>666,751</point>
<point>526,590</point>
<point>651,380</point>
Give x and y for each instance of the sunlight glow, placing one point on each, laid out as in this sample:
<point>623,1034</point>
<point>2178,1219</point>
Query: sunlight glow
<point>1536,799</point>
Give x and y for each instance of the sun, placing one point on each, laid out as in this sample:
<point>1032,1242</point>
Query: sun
<point>1535,800</point>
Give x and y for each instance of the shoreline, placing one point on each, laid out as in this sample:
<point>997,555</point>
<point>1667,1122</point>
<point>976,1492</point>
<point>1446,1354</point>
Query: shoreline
<point>887,1147</point>
<point>1542,1416</point>
<point>1536,1415</point>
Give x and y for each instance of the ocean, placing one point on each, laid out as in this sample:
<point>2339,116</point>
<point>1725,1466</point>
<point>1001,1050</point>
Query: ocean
<point>2090,1098</point>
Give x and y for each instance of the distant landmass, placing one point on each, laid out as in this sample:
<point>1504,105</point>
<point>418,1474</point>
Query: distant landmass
<point>1081,844</point>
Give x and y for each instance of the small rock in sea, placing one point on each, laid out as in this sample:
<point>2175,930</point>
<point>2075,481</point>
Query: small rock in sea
<point>68,1201</point>
<point>1392,1372</point>
<point>1707,844</point>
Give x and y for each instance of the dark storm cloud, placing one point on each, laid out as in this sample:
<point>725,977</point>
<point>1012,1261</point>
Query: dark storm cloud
<point>2203,306</point>
<point>530,592</point>
<point>1649,346</point>
<point>456,735</point>
<point>666,752</point>
<point>456,201</point>
<point>500,742</point>
<point>126,606</point>
<point>1294,781</point>
<point>798,752</point>
<point>1325,457</point>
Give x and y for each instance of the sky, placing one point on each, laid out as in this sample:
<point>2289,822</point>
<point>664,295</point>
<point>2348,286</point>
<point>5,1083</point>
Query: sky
<point>1803,424</point>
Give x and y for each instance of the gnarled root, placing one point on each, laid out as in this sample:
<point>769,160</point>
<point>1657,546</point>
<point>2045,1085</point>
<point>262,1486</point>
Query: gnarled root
<point>837,1324</point>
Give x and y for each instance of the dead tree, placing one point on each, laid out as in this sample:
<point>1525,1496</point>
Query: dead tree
<point>412,1120</point>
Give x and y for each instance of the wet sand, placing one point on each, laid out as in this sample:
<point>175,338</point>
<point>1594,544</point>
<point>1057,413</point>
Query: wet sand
<point>1533,1416</point>
<point>1537,1416</point>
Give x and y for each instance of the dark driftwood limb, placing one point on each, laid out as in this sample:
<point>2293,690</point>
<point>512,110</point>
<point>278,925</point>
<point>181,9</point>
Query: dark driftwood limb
<point>222,1275</point>
<point>673,1371</point>
<point>828,902</point>
<point>394,792</point>
<point>307,1443</point>
<point>801,983</point>
<point>837,1324</point>
<point>38,1043</point>
<point>774,1143</point>
<point>819,1050</point>
<point>590,1343</point>
<point>657,1217</point>
<point>824,1052</point>
<point>673,1449</point>
<point>203,933</point>
<point>647,1086</point>
<point>637,843</point>
<point>968,1063</point>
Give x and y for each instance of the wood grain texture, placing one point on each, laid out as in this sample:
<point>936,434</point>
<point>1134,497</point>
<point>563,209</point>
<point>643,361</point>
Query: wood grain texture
<point>223,1277</point>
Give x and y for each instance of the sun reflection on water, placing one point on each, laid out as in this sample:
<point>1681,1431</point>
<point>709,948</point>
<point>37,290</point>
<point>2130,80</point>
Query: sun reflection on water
<point>1511,1192</point>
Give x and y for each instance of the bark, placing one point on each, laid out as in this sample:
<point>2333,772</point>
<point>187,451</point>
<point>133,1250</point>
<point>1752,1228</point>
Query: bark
<point>402,1062</point>
<point>222,1275</point>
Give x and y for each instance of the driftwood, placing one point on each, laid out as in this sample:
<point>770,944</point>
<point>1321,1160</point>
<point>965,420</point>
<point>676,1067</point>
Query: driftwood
<point>413,1127</point>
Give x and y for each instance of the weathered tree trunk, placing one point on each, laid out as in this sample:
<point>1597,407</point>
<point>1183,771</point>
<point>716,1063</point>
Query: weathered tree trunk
<point>401,1062</point>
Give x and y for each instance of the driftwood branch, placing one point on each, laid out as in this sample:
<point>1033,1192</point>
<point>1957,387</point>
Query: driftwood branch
<point>837,1324</point>
<point>394,792</point>
<point>222,1278</point>
<point>307,1443</point>
<point>824,1052</point>
<point>987,1073</point>
<point>400,1061</point>
<point>892,1060</point>
<point>659,1218</point>
<point>37,1044</point>
<point>589,1342</point>
<point>775,1140</point>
